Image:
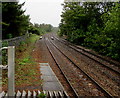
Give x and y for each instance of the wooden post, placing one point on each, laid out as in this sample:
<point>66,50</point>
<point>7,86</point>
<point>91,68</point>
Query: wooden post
<point>11,70</point>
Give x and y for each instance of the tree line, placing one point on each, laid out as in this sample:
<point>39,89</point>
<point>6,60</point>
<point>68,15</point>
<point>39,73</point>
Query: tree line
<point>16,23</point>
<point>94,25</point>
<point>40,28</point>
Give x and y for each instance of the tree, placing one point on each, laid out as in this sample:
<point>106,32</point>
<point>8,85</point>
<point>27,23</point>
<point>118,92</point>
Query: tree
<point>40,28</point>
<point>112,31</point>
<point>94,25</point>
<point>14,22</point>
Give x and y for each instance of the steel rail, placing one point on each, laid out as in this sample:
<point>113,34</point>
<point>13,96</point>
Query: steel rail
<point>117,72</point>
<point>75,93</point>
<point>98,56</point>
<point>100,87</point>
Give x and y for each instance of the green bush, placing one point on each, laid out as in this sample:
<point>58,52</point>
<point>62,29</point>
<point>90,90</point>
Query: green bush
<point>41,95</point>
<point>4,53</point>
<point>9,36</point>
<point>22,46</point>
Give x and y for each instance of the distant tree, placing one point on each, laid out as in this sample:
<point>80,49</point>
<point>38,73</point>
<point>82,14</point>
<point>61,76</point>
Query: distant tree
<point>46,27</point>
<point>40,28</point>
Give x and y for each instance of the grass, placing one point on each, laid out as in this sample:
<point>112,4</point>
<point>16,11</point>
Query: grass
<point>26,69</point>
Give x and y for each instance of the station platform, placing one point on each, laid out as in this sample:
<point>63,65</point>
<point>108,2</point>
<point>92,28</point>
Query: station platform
<point>50,81</point>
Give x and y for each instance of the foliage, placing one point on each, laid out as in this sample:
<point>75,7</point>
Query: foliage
<point>112,31</point>
<point>26,69</point>
<point>22,46</point>
<point>55,29</point>
<point>45,27</point>
<point>41,95</point>
<point>40,29</point>
<point>14,22</point>
<point>25,61</point>
<point>94,25</point>
<point>4,53</point>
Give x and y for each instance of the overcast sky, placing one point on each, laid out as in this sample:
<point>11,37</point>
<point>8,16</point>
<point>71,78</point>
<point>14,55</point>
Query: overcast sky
<point>43,11</point>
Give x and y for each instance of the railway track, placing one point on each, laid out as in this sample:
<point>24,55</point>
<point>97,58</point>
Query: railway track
<point>94,81</point>
<point>109,85</point>
<point>102,61</point>
<point>105,69</point>
<point>110,61</point>
<point>75,93</point>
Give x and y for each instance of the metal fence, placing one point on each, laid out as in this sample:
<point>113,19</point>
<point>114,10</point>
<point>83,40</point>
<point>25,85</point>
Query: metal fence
<point>15,41</point>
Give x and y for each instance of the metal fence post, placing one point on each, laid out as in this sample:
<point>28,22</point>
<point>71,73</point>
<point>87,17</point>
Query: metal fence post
<point>11,70</point>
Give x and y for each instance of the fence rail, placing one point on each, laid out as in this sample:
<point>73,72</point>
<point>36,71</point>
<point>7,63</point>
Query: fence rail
<point>15,41</point>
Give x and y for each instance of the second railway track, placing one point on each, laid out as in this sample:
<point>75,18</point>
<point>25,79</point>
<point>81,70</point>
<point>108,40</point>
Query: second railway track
<point>106,92</point>
<point>109,64</point>
<point>105,69</point>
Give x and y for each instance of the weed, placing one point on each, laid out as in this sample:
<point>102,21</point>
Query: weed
<point>25,67</point>
<point>25,61</point>
<point>21,63</point>
<point>3,58</point>
<point>41,95</point>
<point>22,46</point>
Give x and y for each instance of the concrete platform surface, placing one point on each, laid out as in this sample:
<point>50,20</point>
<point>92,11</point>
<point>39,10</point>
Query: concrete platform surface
<point>50,81</point>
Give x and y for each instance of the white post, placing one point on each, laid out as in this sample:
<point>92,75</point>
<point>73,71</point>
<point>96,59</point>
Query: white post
<point>11,70</point>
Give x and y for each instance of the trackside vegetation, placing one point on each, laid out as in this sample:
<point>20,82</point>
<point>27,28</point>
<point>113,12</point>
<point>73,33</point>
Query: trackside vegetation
<point>94,25</point>
<point>15,23</point>
<point>26,68</point>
